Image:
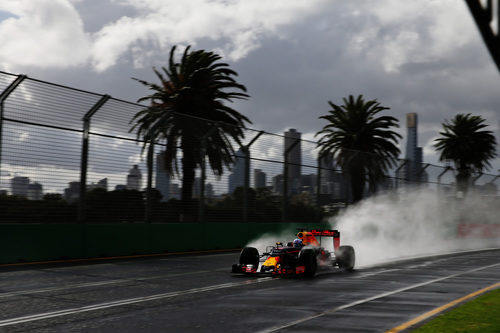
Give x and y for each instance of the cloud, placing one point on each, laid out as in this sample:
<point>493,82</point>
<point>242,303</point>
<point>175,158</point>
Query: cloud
<point>43,33</point>
<point>239,25</point>
<point>396,33</point>
<point>49,33</point>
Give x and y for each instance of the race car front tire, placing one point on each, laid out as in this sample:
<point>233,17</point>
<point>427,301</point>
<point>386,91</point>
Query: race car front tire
<point>345,257</point>
<point>307,258</point>
<point>249,256</point>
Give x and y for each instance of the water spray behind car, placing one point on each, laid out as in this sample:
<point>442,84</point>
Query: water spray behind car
<point>415,223</point>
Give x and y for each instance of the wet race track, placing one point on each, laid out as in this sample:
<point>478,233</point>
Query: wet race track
<point>197,293</point>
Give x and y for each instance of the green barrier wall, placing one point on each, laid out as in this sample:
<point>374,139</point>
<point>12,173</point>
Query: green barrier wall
<point>40,242</point>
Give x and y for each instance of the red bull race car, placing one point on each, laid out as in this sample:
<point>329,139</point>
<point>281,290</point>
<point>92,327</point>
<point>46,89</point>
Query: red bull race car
<point>305,256</point>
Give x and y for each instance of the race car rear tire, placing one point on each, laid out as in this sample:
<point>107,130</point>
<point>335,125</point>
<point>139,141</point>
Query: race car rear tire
<point>249,256</point>
<point>307,258</point>
<point>346,257</point>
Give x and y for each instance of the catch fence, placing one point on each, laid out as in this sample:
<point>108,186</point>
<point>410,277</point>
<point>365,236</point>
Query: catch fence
<point>67,155</point>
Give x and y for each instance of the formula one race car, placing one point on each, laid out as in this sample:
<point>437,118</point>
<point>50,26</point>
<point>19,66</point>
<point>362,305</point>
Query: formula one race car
<point>303,257</point>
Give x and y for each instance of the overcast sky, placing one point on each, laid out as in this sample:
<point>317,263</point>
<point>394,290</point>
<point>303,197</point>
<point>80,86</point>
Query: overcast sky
<point>293,55</point>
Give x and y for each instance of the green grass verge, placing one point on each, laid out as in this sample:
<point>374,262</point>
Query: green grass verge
<point>479,315</point>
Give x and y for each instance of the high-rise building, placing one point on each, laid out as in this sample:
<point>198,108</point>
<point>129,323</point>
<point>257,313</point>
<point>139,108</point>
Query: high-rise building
<point>103,184</point>
<point>327,173</point>
<point>277,182</point>
<point>162,177</point>
<point>308,183</point>
<point>209,189</point>
<point>174,191</point>
<point>414,154</point>
<point>237,176</point>
<point>22,187</point>
<point>134,178</point>
<point>294,157</point>
<point>35,191</point>
<point>259,178</point>
<point>72,193</point>
<point>19,186</point>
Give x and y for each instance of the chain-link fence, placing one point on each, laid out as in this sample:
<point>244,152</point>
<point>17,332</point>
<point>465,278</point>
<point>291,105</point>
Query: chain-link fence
<point>68,155</point>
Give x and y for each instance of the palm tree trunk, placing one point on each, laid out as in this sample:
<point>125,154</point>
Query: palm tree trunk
<point>462,178</point>
<point>188,175</point>
<point>357,179</point>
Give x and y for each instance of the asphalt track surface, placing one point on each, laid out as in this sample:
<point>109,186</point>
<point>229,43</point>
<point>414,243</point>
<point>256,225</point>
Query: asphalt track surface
<point>196,293</point>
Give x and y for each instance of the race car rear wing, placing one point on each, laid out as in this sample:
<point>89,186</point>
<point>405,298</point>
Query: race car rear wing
<point>309,236</point>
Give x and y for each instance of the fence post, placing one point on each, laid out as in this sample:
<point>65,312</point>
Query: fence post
<point>3,97</point>
<point>149,203</point>
<point>446,169</point>
<point>246,183</point>
<point>397,171</point>
<point>204,139</point>
<point>318,187</point>
<point>85,156</point>
<point>285,181</point>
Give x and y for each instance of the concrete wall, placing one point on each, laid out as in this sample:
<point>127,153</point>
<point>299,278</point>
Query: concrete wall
<point>40,242</point>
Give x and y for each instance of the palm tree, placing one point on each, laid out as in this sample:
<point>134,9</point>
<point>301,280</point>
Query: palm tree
<point>465,143</point>
<point>187,111</point>
<point>363,144</point>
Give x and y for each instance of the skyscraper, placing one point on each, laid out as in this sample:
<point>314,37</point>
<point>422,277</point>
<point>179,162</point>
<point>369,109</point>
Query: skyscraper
<point>237,177</point>
<point>35,191</point>
<point>162,177</point>
<point>72,193</point>
<point>414,154</point>
<point>259,178</point>
<point>134,178</point>
<point>294,157</point>
<point>19,186</point>
<point>103,184</point>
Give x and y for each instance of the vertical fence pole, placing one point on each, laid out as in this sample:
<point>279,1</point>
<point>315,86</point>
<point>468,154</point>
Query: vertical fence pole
<point>3,97</point>
<point>318,188</point>
<point>149,186</point>
<point>85,156</point>
<point>201,210</point>
<point>446,169</point>
<point>397,171</point>
<point>246,183</point>
<point>284,216</point>
<point>204,141</point>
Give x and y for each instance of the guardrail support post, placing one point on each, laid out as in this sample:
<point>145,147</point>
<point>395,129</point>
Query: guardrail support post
<point>85,154</point>
<point>204,138</point>
<point>3,97</point>
<point>284,215</point>
<point>397,171</point>
<point>246,183</point>
<point>149,185</point>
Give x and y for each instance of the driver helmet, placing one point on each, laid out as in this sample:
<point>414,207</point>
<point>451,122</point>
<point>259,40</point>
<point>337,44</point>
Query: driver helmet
<point>297,242</point>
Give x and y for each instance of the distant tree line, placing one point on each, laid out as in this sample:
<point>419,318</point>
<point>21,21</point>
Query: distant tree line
<point>128,206</point>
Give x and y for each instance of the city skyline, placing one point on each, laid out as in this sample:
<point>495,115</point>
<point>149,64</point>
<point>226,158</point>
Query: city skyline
<point>221,186</point>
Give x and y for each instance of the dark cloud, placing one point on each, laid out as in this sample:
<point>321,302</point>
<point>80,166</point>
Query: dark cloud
<point>419,60</point>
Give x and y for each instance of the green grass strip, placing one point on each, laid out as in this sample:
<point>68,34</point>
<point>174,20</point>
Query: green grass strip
<point>479,315</point>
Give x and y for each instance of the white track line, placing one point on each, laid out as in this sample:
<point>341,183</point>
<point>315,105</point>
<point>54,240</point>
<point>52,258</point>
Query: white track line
<point>423,256</point>
<point>99,283</point>
<point>100,306</point>
<point>369,299</point>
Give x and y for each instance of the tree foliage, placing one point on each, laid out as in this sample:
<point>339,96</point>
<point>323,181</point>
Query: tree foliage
<point>364,144</point>
<point>465,142</point>
<point>189,93</point>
